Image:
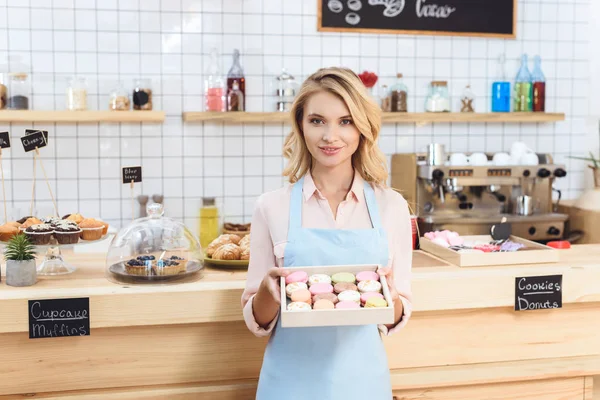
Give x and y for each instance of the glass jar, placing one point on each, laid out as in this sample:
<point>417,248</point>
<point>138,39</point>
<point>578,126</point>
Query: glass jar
<point>438,99</point>
<point>399,95</point>
<point>215,87</point>
<point>154,250</point>
<point>142,94</point>
<point>77,94</point>
<point>119,99</point>
<point>19,90</point>
<point>467,100</point>
<point>3,91</point>
<point>386,99</point>
<point>286,88</point>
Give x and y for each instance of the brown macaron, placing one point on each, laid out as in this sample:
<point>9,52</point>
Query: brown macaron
<point>327,296</point>
<point>342,286</point>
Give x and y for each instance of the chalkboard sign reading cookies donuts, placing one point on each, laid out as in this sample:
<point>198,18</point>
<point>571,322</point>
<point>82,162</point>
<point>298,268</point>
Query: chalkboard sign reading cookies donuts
<point>494,18</point>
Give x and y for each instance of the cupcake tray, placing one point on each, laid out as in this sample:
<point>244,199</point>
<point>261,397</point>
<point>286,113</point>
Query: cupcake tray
<point>337,317</point>
<point>119,270</point>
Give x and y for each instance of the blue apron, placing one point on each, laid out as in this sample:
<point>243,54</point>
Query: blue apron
<point>328,363</point>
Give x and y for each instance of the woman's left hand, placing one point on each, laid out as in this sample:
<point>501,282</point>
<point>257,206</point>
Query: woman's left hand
<point>389,277</point>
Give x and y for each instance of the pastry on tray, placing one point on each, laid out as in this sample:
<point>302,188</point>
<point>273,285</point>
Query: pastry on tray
<point>66,232</point>
<point>29,222</point>
<point>228,251</point>
<point>142,265</point>
<point>220,241</point>
<point>245,242</point>
<point>8,231</point>
<point>170,266</point>
<point>148,265</point>
<point>39,234</point>
<point>245,254</point>
<point>78,218</point>
<point>91,229</point>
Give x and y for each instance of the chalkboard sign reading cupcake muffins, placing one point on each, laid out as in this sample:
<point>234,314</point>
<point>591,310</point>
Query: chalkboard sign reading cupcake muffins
<point>35,140</point>
<point>4,140</point>
<point>493,18</point>
<point>59,318</point>
<point>132,174</point>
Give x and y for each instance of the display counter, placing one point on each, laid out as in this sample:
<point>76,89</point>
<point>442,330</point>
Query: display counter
<point>189,341</point>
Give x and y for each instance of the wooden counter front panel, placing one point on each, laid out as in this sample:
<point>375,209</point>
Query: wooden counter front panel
<point>178,354</point>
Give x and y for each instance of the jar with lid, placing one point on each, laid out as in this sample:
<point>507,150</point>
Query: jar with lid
<point>19,90</point>
<point>142,94</point>
<point>467,100</point>
<point>235,98</point>
<point>399,95</point>
<point>438,99</point>
<point>119,99</point>
<point>286,88</point>
<point>3,91</point>
<point>386,99</point>
<point>77,94</point>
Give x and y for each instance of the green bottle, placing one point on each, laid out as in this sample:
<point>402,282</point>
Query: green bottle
<point>523,87</point>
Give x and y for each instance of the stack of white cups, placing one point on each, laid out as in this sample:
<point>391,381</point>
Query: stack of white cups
<point>520,154</point>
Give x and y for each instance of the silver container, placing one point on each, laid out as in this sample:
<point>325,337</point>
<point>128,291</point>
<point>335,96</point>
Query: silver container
<point>525,205</point>
<point>436,154</point>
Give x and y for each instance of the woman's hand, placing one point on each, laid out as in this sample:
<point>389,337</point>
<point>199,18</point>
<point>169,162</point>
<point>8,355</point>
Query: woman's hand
<point>271,283</point>
<point>397,303</point>
<point>267,300</point>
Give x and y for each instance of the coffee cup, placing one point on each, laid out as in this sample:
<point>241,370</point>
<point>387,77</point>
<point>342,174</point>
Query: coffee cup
<point>530,159</point>
<point>478,159</point>
<point>501,159</point>
<point>517,149</point>
<point>459,159</point>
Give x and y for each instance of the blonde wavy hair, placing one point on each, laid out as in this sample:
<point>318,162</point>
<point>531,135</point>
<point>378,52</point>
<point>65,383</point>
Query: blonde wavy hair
<point>368,159</point>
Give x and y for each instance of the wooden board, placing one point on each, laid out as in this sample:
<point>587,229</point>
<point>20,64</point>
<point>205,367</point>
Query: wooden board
<point>81,116</point>
<point>532,253</point>
<point>426,260</point>
<point>387,117</point>
<point>361,316</point>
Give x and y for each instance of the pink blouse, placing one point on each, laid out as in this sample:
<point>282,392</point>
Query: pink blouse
<point>270,228</point>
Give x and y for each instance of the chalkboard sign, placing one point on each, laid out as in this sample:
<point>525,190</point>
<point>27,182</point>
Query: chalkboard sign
<point>132,174</point>
<point>30,131</point>
<point>493,18</point>
<point>34,140</point>
<point>538,292</point>
<point>59,317</point>
<point>4,140</point>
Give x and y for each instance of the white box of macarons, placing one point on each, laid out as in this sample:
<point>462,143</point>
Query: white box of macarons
<point>335,296</point>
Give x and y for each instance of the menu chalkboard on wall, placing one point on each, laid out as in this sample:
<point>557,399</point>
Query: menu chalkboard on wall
<point>490,18</point>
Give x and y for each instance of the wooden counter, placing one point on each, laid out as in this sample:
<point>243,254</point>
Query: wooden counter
<point>189,341</point>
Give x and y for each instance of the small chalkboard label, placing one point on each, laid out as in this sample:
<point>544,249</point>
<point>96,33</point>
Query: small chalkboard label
<point>59,317</point>
<point>538,292</point>
<point>30,131</point>
<point>132,174</point>
<point>4,140</point>
<point>34,140</point>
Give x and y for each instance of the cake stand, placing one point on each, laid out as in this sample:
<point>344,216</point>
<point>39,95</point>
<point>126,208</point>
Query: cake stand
<point>54,263</point>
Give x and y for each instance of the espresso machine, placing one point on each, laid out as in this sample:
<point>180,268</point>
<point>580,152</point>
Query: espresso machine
<point>470,199</point>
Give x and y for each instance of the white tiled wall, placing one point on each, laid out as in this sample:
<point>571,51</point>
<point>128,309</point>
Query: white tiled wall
<point>169,40</point>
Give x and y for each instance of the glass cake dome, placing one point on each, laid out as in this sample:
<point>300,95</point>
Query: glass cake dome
<point>154,250</point>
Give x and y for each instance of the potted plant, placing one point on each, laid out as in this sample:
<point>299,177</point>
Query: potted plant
<point>20,262</point>
<point>594,165</point>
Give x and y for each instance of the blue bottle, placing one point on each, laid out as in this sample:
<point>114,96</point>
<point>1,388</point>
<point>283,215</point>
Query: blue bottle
<point>501,89</point>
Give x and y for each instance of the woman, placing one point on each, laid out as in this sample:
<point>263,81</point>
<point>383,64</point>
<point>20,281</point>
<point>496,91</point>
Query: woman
<point>337,211</point>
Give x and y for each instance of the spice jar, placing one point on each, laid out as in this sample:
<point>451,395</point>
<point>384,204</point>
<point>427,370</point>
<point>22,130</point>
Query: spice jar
<point>19,91</point>
<point>285,91</point>
<point>467,100</point>
<point>3,92</point>
<point>386,99</point>
<point>438,99</point>
<point>77,94</point>
<point>142,94</point>
<point>399,94</point>
<point>119,99</point>
<point>235,98</point>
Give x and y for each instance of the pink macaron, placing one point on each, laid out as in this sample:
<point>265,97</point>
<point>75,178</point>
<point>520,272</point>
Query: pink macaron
<point>320,288</point>
<point>366,296</point>
<point>297,276</point>
<point>367,276</point>
<point>347,305</point>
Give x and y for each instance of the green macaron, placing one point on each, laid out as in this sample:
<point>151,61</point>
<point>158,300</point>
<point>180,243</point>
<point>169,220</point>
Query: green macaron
<point>340,277</point>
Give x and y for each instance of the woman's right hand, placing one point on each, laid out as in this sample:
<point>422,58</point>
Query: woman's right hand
<point>271,283</point>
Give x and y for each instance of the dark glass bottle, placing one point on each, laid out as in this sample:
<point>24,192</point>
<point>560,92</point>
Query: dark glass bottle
<point>236,73</point>
<point>539,86</point>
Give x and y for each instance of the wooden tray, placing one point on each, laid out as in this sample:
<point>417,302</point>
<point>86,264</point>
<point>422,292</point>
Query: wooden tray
<point>335,317</point>
<point>532,253</point>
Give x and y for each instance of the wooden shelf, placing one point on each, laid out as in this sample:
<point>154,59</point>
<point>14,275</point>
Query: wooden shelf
<point>418,118</point>
<point>81,116</point>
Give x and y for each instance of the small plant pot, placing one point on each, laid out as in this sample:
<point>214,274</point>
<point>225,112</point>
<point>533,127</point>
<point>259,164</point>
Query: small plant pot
<point>21,273</point>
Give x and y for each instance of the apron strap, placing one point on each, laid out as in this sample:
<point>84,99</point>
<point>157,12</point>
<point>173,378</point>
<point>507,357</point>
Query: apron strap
<point>372,205</point>
<point>295,223</point>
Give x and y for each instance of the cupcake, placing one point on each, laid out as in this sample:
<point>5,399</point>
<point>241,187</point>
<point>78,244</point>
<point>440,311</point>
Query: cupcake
<point>105,230</point>
<point>8,231</point>
<point>91,229</point>
<point>67,233</point>
<point>77,218</point>
<point>29,222</point>
<point>39,234</point>
<point>50,220</point>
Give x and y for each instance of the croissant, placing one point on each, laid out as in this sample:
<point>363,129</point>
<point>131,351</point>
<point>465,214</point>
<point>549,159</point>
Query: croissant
<point>245,254</point>
<point>228,251</point>
<point>245,242</point>
<point>220,241</point>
